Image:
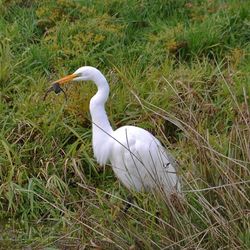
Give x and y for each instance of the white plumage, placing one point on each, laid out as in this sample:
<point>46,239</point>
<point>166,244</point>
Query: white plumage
<point>138,159</point>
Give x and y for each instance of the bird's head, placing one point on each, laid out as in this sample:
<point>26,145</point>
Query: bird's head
<point>84,73</point>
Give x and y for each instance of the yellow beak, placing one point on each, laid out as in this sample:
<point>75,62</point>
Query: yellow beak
<point>66,79</point>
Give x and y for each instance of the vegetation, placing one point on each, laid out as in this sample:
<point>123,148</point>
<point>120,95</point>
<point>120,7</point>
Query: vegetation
<point>177,68</point>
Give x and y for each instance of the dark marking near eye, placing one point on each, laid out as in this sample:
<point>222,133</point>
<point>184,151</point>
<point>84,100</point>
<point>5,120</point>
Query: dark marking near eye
<point>55,88</point>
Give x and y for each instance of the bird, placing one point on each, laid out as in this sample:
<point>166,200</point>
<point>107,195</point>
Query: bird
<point>137,158</point>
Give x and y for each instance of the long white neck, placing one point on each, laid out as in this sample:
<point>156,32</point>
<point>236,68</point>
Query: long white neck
<point>101,128</point>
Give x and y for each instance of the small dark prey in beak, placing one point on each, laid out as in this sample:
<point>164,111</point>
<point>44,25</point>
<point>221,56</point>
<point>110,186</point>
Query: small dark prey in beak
<point>56,88</point>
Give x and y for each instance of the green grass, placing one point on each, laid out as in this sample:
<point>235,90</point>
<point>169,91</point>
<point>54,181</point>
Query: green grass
<point>177,68</point>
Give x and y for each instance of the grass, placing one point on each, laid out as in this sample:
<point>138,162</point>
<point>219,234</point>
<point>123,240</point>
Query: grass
<point>178,68</point>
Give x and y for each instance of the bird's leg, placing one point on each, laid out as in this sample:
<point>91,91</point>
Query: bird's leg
<point>157,216</point>
<point>129,201</point>
<point>128,204</point>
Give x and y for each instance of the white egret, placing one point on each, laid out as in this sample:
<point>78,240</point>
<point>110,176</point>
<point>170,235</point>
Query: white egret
<point>137,158</point>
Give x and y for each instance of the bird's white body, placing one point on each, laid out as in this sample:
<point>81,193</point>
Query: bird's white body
<point>143,163</point>
<point>138,159</point>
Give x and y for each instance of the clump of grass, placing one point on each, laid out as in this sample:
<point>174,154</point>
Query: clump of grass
<point>178,69</point>
<point>5,62</point>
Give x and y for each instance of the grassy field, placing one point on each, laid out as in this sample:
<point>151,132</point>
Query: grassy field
<point>177,68</point>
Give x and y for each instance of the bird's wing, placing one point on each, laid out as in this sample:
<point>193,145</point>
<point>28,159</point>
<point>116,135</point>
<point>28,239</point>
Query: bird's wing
<point>140,155</point>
